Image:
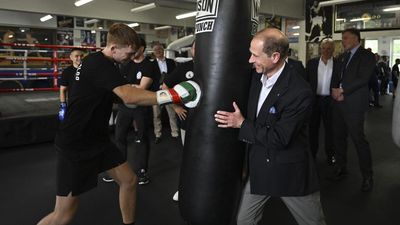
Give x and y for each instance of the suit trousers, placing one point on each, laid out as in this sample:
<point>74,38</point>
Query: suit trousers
<point>306,210</point>
<point>157,120</point>
<point>351,123</point>
<point>322,110</point>
<point>138,158</point>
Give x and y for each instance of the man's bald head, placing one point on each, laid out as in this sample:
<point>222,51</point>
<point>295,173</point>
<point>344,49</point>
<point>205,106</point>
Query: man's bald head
<point>274,41</point>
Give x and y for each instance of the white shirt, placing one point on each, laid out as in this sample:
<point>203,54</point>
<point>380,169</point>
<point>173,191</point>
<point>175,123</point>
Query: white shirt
<point>324,77</point>
<point>267,84</point>
<point>162,64</point>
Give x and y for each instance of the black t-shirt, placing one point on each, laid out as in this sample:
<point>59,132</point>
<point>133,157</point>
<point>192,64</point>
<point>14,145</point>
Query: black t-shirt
<point>67,76</point>
<point>133,72</point>
<point>183,72</point>
<point>84,131</point>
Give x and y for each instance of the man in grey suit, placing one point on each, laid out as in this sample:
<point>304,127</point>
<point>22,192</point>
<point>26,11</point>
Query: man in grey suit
<point>276,129</point>
<point>351,96</point>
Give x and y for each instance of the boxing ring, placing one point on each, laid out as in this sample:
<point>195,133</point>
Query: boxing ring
<point>29,96</point>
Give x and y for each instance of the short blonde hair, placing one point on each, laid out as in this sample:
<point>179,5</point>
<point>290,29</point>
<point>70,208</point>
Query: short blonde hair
<point>122,35</point>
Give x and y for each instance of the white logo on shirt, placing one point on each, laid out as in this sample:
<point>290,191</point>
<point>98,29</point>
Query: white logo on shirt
<point>189,74</point>
<point>139,75</point>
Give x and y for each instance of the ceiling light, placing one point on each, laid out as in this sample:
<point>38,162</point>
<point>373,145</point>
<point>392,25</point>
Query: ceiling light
<point>391,9</point>
<point>81,2</point>
<point>100,28</point>
<point>91,21</point>
<point>296,27</point>
<point>144,7</point>
<point>337,2</point>
<point>341,19</point>
<point>10,36</point>
<point>162,28</point>
<point>186,15</point>
<point>359,19</point>
<point>296,34</point>
<point>133,25</point>
<point>45,18</point>
<point>93,31</point>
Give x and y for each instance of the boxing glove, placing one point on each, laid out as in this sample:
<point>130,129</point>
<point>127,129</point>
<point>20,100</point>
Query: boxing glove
<point>187,93</point>
<point>62,111</point>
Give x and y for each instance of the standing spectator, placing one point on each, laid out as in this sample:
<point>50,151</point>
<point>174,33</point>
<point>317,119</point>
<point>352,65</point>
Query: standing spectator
<point>384,71</point>
<point>319,74</point>
<point>374,84</point>
<point>184,71</point>
<point>395,76</point>
<point>66,80</point>
<point>351,96</point>
<point>138,72</point>
<point>163,67</point>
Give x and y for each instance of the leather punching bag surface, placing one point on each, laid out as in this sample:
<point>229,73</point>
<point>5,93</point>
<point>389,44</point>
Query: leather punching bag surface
<point>210,181</point>
<point>396,119</point>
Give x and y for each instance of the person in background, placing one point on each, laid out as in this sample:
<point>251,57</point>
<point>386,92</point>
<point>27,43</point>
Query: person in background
<point>319,75</point>
<point>66,80</point>
<point>350,95</point>
<point>395,76</point>
<point>164,67</point>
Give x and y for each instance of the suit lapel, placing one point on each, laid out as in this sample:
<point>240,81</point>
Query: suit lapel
<point>279,88</point>
<point>254,95</point>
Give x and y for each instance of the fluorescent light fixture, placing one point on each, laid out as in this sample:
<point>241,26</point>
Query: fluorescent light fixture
<point>133,25</point>
<point>296,34</point>
<point>296,27</point>
<point>337,2</point>
<point>144,7</point>
<point>91,21</point>
<point>359,19</point>
<point>45,18</point>
<point>391,9</point>
<point>81,2</point>
<point>341,19</point>
<point>162,28</point>
<point>186,15</point>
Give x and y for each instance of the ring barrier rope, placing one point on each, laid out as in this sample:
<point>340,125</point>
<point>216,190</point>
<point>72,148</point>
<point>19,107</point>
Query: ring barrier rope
<point>20,64</point>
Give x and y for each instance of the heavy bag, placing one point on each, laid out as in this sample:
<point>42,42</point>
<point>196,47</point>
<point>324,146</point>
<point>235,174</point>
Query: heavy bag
<point>210,180</point>
<point>396,119</point>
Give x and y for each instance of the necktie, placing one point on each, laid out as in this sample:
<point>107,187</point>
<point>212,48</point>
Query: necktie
<point>345,61</point>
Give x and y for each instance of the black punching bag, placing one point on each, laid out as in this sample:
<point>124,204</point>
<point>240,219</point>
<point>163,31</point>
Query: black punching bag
<point>210,181</point>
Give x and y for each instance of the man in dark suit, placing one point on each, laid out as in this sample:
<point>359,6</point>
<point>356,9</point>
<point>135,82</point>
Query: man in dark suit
<point>351,96</point>
<point>164,66</point>
<point>319,75</point>
<point>276,128</point>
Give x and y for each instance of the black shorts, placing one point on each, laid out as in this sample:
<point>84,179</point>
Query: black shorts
<point>77,177</point>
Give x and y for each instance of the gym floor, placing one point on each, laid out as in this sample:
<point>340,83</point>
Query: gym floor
<point>27,187</point>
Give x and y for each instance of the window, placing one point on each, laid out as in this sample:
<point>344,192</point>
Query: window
<point>373,44</point>
<point>395,50</point>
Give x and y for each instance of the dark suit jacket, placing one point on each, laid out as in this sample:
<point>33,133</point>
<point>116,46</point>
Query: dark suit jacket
<point>312,73</point>
<point>158,78</point>
<point>298,65</point>
<point>355,80</point>
<point>280,163</point>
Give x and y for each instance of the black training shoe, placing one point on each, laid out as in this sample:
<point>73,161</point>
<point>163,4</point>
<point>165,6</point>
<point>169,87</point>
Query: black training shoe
<point>142,177</point>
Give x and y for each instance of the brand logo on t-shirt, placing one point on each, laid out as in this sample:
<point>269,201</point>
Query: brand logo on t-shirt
<point>139,75</point>
<point>189,74</point>
<point>78,72</point>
